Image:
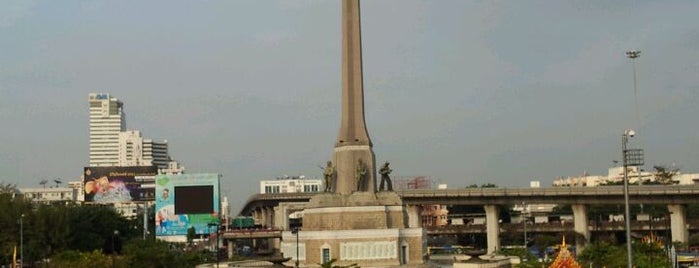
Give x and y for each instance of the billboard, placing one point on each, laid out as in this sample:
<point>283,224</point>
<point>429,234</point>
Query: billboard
<point>119,184</point>
<point>186,200</point>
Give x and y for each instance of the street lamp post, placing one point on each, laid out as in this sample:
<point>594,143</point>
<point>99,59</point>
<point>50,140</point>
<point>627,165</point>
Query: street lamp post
<point>524,223</point>
<point>21,241</point>
<point>114,251</point>
<point>296,232</point>
<point>631,157</point>
<point>627,214</point>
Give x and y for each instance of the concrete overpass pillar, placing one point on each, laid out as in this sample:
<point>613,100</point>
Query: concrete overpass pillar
<point>414,216</point>
<point>270,217</point>
<point>231,248</point>
<point>281,217</point>
<point>580,227</point>
<point>266,220</point>
<point>257,215</point>
<point>678,223</point>
<point>492,226</point>
<point>263,216</point>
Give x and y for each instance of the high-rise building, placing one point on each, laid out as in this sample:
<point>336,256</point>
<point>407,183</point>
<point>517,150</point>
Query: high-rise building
<point>134,150</point>
<point>131,149</point>
<point>112,145</point>
<point>156,153</point>
<point>107,120</point>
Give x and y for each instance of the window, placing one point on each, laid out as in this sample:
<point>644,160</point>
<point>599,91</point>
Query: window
<point>325,255</point>
<point>271,189</point>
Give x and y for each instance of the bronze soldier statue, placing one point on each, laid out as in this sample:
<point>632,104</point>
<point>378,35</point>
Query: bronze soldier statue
<point>328,175</point>
<point>360,174</point>
<point>385,171</point>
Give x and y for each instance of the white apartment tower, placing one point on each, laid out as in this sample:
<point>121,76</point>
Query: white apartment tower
<point>134,150</point>
<point>112,145</point>
<point>106,122</point>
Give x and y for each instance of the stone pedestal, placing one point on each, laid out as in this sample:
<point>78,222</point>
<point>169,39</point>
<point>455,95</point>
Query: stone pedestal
<point>369,229</point>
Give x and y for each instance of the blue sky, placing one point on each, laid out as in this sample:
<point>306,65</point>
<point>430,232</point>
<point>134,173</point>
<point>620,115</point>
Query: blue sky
<point>465,92</point>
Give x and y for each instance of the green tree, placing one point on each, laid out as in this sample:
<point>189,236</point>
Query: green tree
<point>77,259</point>
<point>489,185</point>
<point>8,188</point>
<point>664,175</point>
<point>601,254</point>
<point>604,254</point>
<point>12,208</point>
<point>649,255</point>
<point>152,253</point>
<point>191,234</point>
<point>91,226</point>
<point>50,230</point>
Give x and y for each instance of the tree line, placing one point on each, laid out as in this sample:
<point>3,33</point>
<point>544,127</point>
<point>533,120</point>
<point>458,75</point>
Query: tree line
<point>73,235</point>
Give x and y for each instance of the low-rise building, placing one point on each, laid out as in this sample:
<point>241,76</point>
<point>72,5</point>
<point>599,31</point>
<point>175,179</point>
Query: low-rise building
<point>291,185</point>
<point>616,175</point>
<point>51,195</point>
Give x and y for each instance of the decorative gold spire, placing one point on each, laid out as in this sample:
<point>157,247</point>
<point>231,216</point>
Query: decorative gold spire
<point>564,259</point>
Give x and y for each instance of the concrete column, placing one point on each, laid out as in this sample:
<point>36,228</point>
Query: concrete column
<point>580,226</point>
<point>270,217</point>
<point>414,216</point>
<point>492,226</point>
<point>231,248</point>
<point>276,245</point>
<point>678,223</point>
<point>257,215</point>
<point>281,217</point>
<point>264,220</point>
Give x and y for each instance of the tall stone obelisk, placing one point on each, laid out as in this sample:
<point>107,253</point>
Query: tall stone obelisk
<point>353,223</point>
<point>353,144</point>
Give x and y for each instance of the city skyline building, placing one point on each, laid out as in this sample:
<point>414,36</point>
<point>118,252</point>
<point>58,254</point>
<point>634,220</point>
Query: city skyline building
<point>112,145</point>
<point>134,150</point>
<point>107,120</point>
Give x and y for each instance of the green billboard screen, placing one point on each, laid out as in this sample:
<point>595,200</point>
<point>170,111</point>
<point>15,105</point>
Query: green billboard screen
<point>186,200</point>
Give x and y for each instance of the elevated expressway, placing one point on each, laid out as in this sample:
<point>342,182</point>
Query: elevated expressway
<point>273,210</point>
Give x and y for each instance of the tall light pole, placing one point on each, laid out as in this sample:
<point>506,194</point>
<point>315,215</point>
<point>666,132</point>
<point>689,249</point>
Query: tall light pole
<point>631,157</point>
<point>633,54</point>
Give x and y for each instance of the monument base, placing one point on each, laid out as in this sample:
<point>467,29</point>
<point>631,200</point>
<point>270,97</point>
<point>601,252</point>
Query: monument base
<point>366,247</point>
<point>363,228</point>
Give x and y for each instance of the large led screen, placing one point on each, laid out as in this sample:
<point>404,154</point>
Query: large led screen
<point>186,200</point>
<point>194,199</point>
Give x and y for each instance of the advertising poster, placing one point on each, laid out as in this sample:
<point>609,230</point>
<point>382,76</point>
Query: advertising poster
<point>186,200</point>
<point>119,184</point>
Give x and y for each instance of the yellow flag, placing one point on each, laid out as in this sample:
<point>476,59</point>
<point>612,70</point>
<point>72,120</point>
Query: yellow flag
<point>14,257</point>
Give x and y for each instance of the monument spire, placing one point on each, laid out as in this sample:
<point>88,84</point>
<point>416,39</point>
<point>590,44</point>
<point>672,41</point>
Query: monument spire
<point>353,128</point>
<point>353,146</point>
